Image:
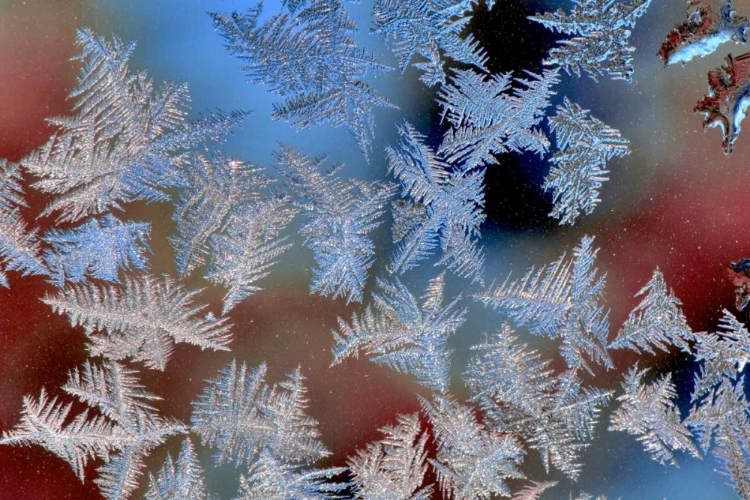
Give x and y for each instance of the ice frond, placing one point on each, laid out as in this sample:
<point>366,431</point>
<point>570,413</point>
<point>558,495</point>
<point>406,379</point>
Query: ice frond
<point>584,145</point>
<point>446,210</point>
<point>398,332</point>
<point>472,462</point>
<point>562,300</point>
<point>339,216</point>
<point>430,30</point>
<point>488,120</point>
<point>242,416</point>
<point>516,391</point>
<point>182,480</point>
<point>99,248</point>
<point>19,247</point>
<point>309,58</point>
<point>270,478</point>
<point>649,412</point>
<point>657,322</point>
<point>126,141</point>
<point>601,31</point>
<point>533,491</point>
<point>394,467</point>
<point>142,320</point>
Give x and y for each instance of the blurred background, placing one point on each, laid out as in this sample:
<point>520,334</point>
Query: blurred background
<point>677,202</point>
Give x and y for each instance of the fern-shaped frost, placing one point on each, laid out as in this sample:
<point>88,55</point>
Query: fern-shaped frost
<point>601,30</point>
<point>309,58</point>
<point>648,411</point>
<point>488,120</point>
<point>400,333</point>
<point>339,218</point>
<point>394,467</point>
<point>142,320</point>
<point>584,145</point>
<point>183,480</point>
<point>446,209</point>
<point>99,248</point>
<point>126,141</point>
<point>562,300</point>
<point>431,30</point>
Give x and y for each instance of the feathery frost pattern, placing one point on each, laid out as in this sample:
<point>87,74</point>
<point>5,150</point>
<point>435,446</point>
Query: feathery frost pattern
<point>339,217</point>
<point>183,480</point>
<point>126,141</point>
<point>584,145</point>
<point>142,320</point>
<point>601,34</point>
<point>657,322</point>
<point>19,246</point>
<point>431,30</point>
<point>404,335</point>
<point>446,209</point>
<point>309,58</point>
<point>128,430</point>
<point>517,393</point>
<point>394,467</point>
<point>99,248</point>
<point>562,300</point>
<point>647,411</point>
<point>473,462</point>
<point>488,120</point>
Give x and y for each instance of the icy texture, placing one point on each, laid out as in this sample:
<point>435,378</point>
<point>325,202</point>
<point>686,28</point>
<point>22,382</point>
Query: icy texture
<point>309,58</point>
<point>488,120</point>
<point>584,145</point>
<point>724,354</point>
<point>518,393</point>
<point>727,99</point>
<point>561,301</point>
<point>127,140</point>
<point>648,411</point>
<point>431,30</point>
<point>394,467</point>
<point>472,462</point>
<point>19,246</point>
<point>445,208</point>
<point>600,30</point>
<point>123,436</point>
<point>339,218</point>
<point>142,320</point>
<point>182,480</point>
<point>400,333</point>
<point>657,322</point>
<point>709,23</point>
<point>99,248</point>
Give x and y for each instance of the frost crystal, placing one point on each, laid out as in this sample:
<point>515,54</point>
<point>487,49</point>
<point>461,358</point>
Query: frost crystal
<point>99,248</point>
<point>584,145</point>
<point>533,491</point>
<point>517,393</point>
<point>488,120</point>
<point>126,141</point>
<point>339,218</point>
<point>562,300</point>
<point>141,320</point>
<point>647,411</point>
<point>600,42</point>
<point>394,467</point>
<point>446,209</point>
<point>430,29</point>
<point>19,247</point>
<point>242,416</point>
<point>657,321</point>
<point>709,23</point>
<point>403,335</point>
<point>183,480</point>
<point>727,99</point>
<point>309,58</point>
<point>473,462</point>
<point>128,430</point>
